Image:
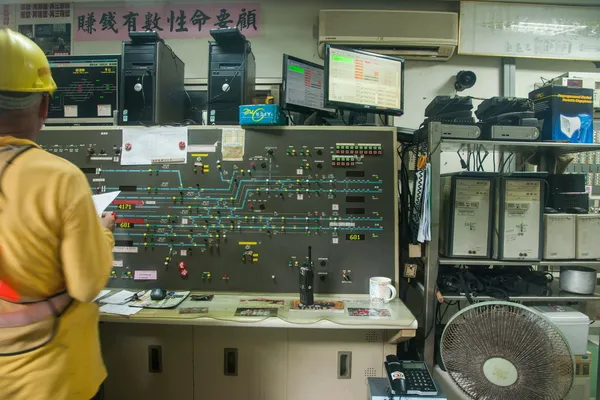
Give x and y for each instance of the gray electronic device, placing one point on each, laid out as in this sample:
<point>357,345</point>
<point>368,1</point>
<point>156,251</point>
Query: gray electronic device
<point>451,131</point>
<point>588,231</point>
<point>219,222</point>
<point>467,212</point>
<point>559,236</point>
<point>508,132</point>
<point>518,232</point>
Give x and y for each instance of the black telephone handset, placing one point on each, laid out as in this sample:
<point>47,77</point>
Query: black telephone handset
<point>395,374</point>
<point>409,377</point>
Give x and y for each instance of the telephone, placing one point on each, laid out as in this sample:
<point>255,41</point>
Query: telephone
<point>409,377</point>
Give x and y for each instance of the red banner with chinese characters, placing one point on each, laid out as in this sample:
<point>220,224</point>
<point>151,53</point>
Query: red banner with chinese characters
<point>170,21</point>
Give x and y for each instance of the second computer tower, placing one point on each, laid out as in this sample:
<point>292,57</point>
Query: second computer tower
<point>231,81</point>
<point>518,226</point>
<point>152,90</point>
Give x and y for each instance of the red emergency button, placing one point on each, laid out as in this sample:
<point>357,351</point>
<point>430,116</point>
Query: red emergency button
<point>183,273</point>
<point>181,265</point>
<point>127,146</point>
<point>181,145</point>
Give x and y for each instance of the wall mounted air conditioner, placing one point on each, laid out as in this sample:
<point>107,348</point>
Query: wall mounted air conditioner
<point>414,35</point>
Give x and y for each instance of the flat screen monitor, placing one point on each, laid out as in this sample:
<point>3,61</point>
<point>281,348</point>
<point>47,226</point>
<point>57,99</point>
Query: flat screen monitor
<point>87,89</point>
<point>302,88</point>
<point>362,81</point>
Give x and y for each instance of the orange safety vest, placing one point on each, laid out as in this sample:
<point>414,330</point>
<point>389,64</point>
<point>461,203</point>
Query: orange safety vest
<point>26,324</point>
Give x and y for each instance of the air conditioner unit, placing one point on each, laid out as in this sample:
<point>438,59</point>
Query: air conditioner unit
<point>414,35</point>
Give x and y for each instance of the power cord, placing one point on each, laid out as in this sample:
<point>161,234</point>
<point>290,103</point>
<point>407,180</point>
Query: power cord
<point>382,120</point>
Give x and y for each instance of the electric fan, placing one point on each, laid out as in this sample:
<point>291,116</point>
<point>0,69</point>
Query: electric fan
<point>506,351</point>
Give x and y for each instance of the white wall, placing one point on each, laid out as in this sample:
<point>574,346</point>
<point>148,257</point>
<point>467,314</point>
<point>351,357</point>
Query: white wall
<point>530,71</point>
<point>291,26</point>
<point>287,26</point>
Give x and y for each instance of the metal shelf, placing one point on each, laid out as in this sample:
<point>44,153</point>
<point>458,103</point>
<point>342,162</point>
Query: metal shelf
<point>512,146</point>
<point>545,263</point>
<point>557,295</point>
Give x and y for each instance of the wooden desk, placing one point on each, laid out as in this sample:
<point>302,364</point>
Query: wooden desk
<point>221,312</point>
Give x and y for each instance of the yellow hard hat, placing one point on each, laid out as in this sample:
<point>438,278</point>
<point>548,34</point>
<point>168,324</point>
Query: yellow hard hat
<point>24,66</point>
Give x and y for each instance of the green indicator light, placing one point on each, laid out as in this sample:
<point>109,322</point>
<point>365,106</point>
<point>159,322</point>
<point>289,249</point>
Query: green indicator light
<point>295,68</point>
<point>342,59</point>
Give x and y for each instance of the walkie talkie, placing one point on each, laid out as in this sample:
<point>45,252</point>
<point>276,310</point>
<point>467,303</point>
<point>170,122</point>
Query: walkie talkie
<point>307,277</point>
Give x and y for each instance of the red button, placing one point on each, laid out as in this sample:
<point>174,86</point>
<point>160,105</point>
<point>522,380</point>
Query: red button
<point>181,265</point>
<point>181,145</point>
<point>379,152</point>
<point>183,272</point>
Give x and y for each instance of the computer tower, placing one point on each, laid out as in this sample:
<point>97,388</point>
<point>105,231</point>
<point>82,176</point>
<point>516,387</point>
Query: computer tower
<point>152,88</point>
<point>231,81</point>
<point>518,225</point>
<point>467,214</point>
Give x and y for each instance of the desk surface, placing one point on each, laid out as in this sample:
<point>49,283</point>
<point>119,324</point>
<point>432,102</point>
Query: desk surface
<point>222,310</point>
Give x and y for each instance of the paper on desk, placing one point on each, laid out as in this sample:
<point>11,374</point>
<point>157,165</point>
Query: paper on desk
<point>101,201</point>
<point>101,294</point>
<point>121,297</point>
<point>156,145</point>
<point>119,309</point>
<point>233,141</point>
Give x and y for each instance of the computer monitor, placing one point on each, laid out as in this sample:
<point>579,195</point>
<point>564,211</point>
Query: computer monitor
<point>87,90</point>
<point>302,88</point>
<point>362,81</point>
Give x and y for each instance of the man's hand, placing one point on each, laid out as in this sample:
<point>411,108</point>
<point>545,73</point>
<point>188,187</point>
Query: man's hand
<point>108,221</point>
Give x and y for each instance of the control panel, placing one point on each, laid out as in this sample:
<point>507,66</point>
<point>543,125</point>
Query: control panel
<point>246,225</point>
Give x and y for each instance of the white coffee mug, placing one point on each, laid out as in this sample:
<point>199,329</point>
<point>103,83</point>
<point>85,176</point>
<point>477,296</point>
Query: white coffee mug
<point>381,289</point>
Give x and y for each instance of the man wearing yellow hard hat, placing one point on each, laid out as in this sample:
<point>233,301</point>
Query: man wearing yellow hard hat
<point>55,253</point>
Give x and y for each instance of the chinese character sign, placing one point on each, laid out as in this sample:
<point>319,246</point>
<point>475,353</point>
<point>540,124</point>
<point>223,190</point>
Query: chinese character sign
<point>171,21</point>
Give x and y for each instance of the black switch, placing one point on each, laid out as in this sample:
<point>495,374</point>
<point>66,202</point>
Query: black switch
<point>263,165</point>
<point>270,152</point>
<point>319,165</point>
<point>319,152</point>
<point>262,206</point>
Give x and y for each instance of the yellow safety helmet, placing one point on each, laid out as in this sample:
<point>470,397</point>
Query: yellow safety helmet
<point>24,66</point>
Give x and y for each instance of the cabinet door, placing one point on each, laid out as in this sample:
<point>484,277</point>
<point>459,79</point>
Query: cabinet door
<point>332,363</point>
<point>150,362</point>
<point>240,363</point>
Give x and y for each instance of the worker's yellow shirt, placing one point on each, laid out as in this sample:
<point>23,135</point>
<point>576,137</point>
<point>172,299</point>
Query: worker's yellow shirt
<point>51,238</point>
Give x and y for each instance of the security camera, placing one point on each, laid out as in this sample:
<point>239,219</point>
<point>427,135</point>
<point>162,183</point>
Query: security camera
<point>465,80</point>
